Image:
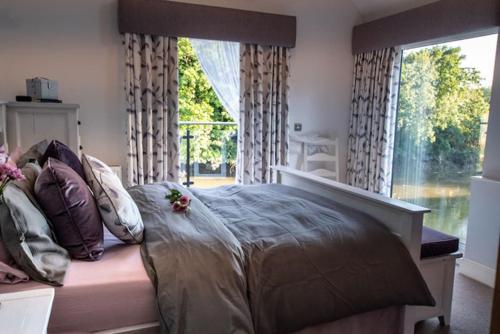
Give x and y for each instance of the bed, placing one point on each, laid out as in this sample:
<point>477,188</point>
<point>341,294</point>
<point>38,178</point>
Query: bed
<point>96,290</point>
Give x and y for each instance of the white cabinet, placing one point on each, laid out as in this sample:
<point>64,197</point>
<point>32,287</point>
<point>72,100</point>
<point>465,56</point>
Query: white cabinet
<point>28,123</point>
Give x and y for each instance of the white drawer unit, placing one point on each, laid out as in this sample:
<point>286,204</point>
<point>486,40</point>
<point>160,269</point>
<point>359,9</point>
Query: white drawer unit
<point>26,312</point>
<point>28,123</point>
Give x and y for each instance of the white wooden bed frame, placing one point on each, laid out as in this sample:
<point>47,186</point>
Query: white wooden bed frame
<point>404,220</point>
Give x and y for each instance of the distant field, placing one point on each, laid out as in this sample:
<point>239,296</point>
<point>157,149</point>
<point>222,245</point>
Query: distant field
<point>209,182</point>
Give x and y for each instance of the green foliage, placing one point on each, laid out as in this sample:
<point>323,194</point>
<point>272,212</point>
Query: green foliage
<point>174,195</point>
<point>441,108</point>
<point>198,103</point>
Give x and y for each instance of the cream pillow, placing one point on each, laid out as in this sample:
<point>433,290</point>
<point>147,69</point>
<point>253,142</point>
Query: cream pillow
<point>118,210</point>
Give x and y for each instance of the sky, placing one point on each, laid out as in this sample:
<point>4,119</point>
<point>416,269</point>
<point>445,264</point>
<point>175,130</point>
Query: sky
<point>479,53</point>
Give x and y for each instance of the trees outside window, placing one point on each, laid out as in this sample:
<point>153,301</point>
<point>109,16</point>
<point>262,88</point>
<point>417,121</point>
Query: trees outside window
<point>441,109</point>
<point>212,145</point>
<point>440,123</point>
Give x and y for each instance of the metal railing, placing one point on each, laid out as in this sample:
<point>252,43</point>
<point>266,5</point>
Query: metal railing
<point>193,130</point>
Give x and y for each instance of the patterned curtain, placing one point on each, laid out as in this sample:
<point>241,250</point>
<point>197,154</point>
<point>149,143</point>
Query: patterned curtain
<point>373,114</point>
<point>151,88</point>
<point>263,131</point>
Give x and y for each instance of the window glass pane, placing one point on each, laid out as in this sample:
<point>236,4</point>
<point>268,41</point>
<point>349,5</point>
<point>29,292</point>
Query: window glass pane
<point>441,128</point>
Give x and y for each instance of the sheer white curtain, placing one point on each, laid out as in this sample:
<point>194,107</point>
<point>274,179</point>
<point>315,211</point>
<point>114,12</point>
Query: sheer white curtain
<point>220,61</point>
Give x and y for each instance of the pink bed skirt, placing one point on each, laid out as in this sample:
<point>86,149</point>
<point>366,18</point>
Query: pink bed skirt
<point>383,321</point>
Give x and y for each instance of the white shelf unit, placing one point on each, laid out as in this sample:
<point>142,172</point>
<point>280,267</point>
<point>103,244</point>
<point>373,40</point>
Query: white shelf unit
<point>318,155</point>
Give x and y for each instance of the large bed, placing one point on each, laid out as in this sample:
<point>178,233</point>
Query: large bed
<point>116,295</point>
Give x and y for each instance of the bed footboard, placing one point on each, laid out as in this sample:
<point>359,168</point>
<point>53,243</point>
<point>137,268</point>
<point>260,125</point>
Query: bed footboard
<point>403,219</point>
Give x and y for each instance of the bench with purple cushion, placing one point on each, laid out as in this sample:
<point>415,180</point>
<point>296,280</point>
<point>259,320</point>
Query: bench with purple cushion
<point>435,243</point>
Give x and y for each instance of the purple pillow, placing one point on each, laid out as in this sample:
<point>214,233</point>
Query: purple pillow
<point>63,153</point>
<point>70,206</point>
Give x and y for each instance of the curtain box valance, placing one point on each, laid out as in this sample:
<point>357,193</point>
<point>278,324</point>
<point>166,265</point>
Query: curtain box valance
<point>437,20</point>
<point>177,19</point>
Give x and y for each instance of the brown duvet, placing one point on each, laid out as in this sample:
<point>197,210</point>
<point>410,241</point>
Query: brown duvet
<point>269,259</point>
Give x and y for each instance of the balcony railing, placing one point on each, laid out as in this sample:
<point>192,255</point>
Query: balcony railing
<point>208,153</point>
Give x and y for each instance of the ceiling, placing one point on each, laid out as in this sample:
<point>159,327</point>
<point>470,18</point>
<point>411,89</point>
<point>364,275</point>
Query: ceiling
<point>373,9</point>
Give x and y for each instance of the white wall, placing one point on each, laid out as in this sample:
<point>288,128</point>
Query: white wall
<point>483,230</point>
<point>77,43</point>
<point>491,168</point>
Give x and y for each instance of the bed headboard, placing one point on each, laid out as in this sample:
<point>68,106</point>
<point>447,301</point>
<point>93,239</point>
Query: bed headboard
<point>402,218</point>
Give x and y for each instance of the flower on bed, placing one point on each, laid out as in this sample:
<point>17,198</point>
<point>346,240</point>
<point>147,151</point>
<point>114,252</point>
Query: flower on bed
<point>180,203</point>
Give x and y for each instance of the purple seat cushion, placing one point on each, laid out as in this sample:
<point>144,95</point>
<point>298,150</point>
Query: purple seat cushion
<point>435,243</point>
<point>70,206</point>
<point>63,153</point>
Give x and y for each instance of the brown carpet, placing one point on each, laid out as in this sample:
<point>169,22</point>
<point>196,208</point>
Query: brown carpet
<point>471,310</point>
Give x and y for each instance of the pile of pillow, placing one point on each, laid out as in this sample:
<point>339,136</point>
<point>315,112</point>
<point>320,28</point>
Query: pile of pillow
<point>57,213</point>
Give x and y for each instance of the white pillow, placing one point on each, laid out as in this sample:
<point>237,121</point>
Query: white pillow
<point>118,210</point>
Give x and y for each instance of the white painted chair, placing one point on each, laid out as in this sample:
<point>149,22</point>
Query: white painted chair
<point>318,156</point>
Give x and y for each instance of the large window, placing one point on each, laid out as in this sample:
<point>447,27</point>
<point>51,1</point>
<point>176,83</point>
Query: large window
<point>212,130</point>
<point>441,128</point>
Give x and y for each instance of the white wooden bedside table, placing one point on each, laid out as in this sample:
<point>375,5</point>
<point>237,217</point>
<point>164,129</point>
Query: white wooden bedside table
<point>26,312</point>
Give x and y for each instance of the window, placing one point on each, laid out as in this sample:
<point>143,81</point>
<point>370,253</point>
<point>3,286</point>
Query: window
<point>213,132</point>
<point>441,128</point>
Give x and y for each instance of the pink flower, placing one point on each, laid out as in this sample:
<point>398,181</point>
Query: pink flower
<point>184,200</point>
<point>11,172</point>
<point>8,172</point>
<point>180,203</point>
<point>178,207</point>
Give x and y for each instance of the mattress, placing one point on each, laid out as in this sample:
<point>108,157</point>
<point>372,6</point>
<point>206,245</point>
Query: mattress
<point>111,293</point>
